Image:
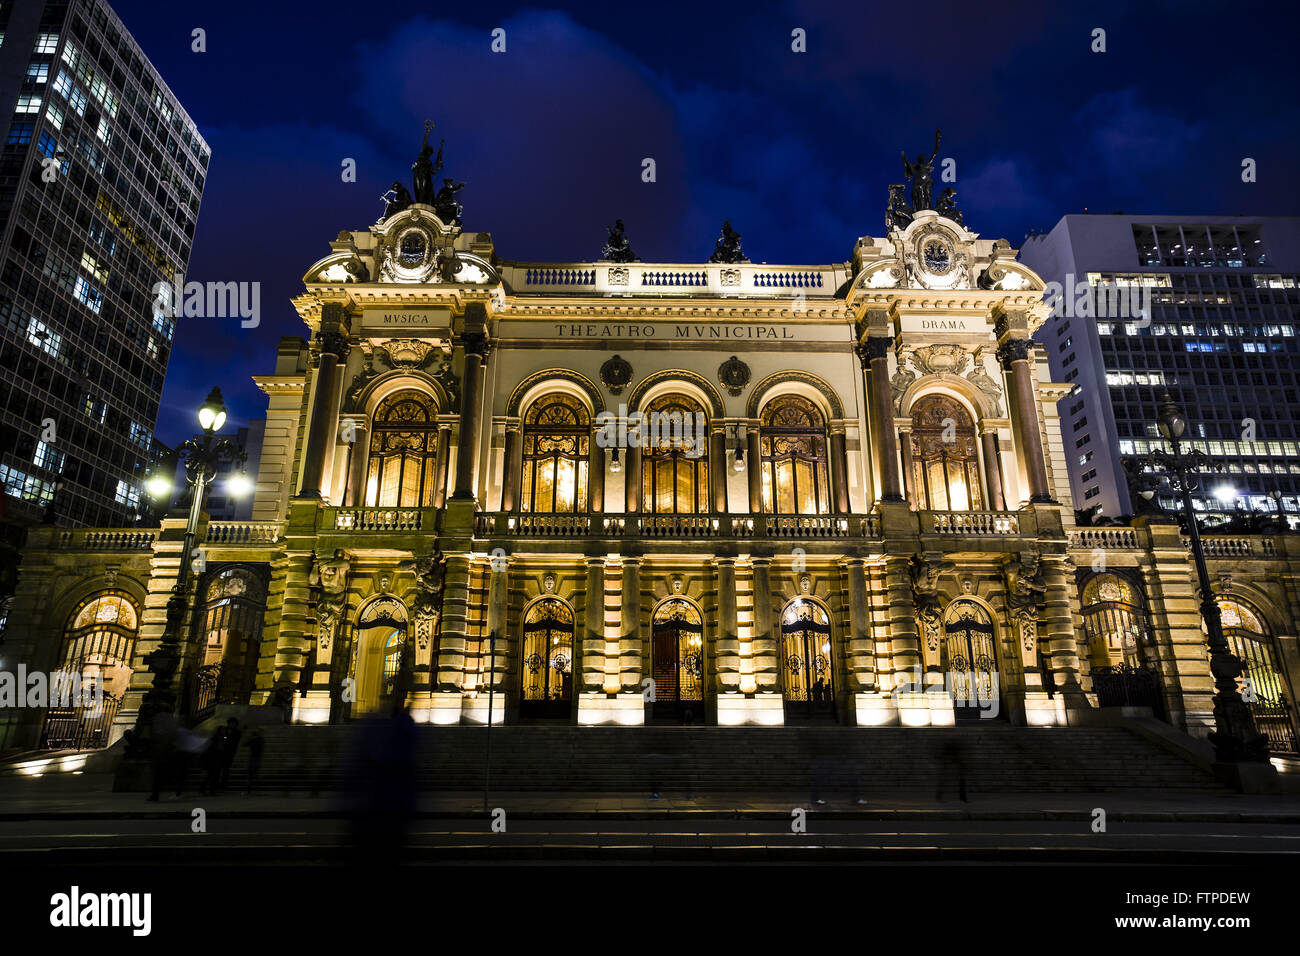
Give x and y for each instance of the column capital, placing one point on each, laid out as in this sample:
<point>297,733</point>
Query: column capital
<point>333,341</point>
<point>874,347</point>
<point>475,343</point>
<point>1014,350</point>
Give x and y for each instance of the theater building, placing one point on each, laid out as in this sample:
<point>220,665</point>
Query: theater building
<point>619,492</point>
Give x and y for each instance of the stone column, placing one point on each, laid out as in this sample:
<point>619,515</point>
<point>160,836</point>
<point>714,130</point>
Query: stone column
<point>593,629</point>
<point>839,473</point>
<point>514,466</point>
<point>595,478</point>
<point>471,415</point>
<point>356,492</point>
<point>992,467</point>
<point>873,353</point>
<point>1014,353</point>
<point>753,450</point>
<point>718,469</point>
<point>766,656</point>
<point>905,644</point>
<point>443,457</point>
<point>1060,643</point>
<point>726,664</point>
<point>452,641</point>
<point>909,471</point>
<point>861,644</point>
<point>623,672</point>
<point>496,638</point>
<point>632,481</point>
<point>332,341</point>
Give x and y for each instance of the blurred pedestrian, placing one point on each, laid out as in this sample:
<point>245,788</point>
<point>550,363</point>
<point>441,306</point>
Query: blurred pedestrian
<point>230,747</point>
<point>255,743</point>
<point>214,757</point>
<point>952,766</point>
<point>162,749</point>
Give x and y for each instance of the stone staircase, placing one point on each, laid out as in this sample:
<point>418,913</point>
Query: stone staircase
<point>997,758</point>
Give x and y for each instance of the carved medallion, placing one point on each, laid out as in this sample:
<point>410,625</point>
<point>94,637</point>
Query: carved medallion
<point>941,359</point>
<point>617,277</point>
<point>734,374</point>
<point>616,373</point>
<point>730,277</point>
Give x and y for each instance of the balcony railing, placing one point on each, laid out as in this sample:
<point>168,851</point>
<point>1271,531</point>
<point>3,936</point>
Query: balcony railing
<point>972,522</point>
<point>675,526</point>
<point>1104,539</point>
<point>377,519</point>
<point>88,539</point>
<point>243,532</point>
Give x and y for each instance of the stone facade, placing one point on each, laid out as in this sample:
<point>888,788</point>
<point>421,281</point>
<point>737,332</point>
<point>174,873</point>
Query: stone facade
<point>725,493</point>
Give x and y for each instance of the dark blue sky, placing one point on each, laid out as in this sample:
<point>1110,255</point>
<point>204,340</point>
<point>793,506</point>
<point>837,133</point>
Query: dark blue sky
<point>797,149</point>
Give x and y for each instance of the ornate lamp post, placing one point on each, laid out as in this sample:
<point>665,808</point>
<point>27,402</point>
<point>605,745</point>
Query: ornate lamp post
<point>203,459</point>
<point>1235,738</point>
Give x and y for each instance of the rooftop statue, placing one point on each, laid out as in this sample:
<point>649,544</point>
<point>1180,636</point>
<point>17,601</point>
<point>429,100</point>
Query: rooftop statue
<point>727,248</point>
<point>946,205</point>
<point>424,170</point>
<point>617,249</point>
<point>919,172</point>
<point>444,204</point>
<point>898,214</point>
<point>395,200</point>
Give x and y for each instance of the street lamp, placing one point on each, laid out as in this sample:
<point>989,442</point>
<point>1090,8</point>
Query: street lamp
<point>203,457</point>
<point>1235,738</point>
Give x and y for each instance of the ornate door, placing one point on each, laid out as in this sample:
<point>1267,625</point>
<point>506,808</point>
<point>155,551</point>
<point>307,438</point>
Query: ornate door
<point>809,678</point>
<point>547,682</point>
<point>677,660</point>
<point>971,660</point>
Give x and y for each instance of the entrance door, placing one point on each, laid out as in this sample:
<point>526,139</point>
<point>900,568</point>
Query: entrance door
<point>806,654</point>
<point>398,665</point>
<point>971,660</point>
<point>677,661</point>
<point>547,684</point>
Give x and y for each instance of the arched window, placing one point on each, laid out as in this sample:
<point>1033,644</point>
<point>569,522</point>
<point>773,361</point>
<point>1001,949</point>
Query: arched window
<point>677,658</point>
<point>1261,683</point>
<point>1115,621</point>
<point>944,462</point>
<point>98,644</point>
<point>675,457</point>
<point>970,658</point>
<point>547,684</point>
<point>557,441</point>
<point>227,639</point>
<point>809,676</point>
<point>793,441</point>
<point>403,446</point>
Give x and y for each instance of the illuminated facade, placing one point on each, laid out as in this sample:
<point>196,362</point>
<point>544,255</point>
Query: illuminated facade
<point>623,492</point>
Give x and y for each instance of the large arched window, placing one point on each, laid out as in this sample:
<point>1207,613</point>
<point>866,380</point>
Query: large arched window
<point>675,457</point>
<point>403,446</point>
<point>793,441</point>
<point>382,622</point>
<point>228,639</point>
<point>557,441</point>
<point>944,461</point>
<point>809,676</point>
<point>547,684</point>
<point>98,644</point>
<point>1115,621</point>
<point>677,658</point>
<point>1261,681</point>
<point>970,658</point>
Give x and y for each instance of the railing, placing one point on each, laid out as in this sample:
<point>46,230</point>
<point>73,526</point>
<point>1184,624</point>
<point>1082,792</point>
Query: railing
<point>378,519</point>
<point>243,532</point>
<point>975,522</point>
<point>79,728</point>
<point>1273,719</point>
<point>202,692</point>
<point>1103,538</point>
<point>675,526</point>
<point>1125,685</point>
<point>86,540</point>
<point>808,526</point>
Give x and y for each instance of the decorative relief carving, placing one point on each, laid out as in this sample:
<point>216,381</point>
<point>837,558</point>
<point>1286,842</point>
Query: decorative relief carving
<point>734,374</point>
<point>984,382</point>
<point>617,276</point>
<point>925,592</point>
<point>616,373</point>
<point>430,574</point>
<point>941,360</point>
<point>1025,589</point>
<point>901,382</point>
<point>328,581</point>
<point>730,277</point>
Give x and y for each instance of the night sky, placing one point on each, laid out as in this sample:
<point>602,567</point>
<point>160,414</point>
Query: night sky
<point>797,149</point>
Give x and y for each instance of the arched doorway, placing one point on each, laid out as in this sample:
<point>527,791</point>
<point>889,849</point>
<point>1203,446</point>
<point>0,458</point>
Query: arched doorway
<point>677,660</point>
<point>1119,638</point>
<point>385,655</point>
<point>546,684</point>
<point>227,640</point>
<point>98,644</point>
<point>808,674</point>
<point>1261,684</point>
<point>945,464</point>
<point>970,660</point>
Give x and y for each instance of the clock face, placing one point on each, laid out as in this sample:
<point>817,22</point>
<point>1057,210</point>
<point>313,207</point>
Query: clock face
<point>936,256</point>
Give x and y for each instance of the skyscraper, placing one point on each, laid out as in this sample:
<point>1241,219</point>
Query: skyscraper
<point>1220,337</point>
<point>101,174</point>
